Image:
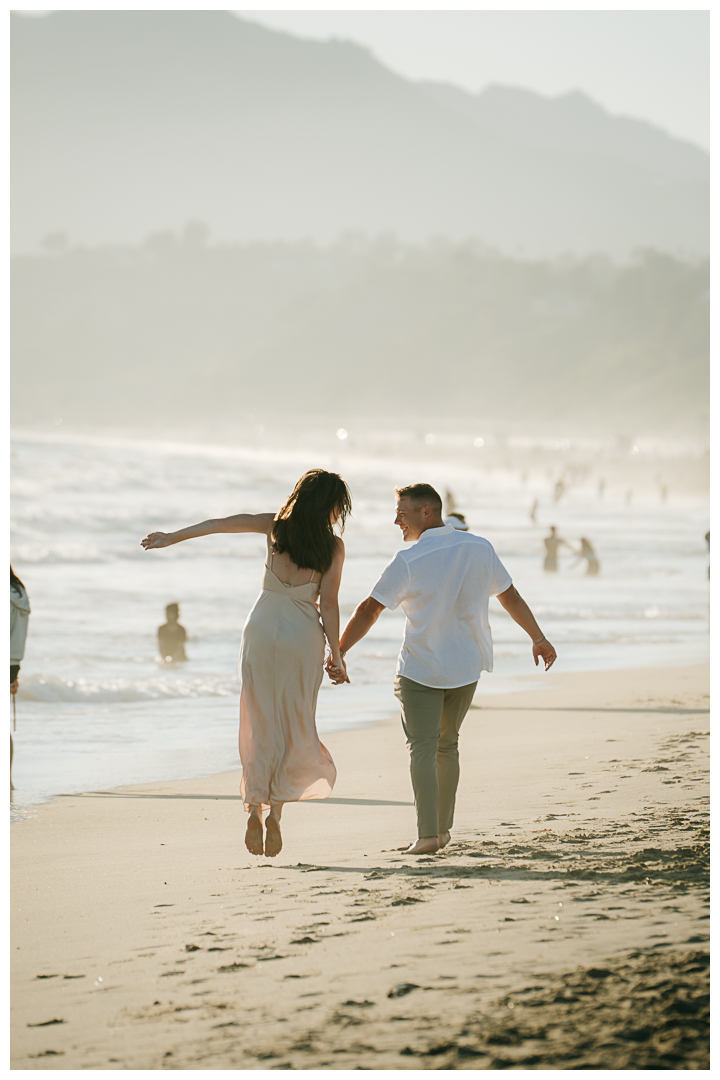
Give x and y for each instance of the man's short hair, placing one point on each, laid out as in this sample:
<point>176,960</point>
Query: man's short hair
<point>421,495</point>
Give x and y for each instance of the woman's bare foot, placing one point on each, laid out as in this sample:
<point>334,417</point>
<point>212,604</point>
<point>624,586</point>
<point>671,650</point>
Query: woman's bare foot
<point>254,835</point>
<point>443,839</point>
<point>426,845</point>
<point>273,837</point>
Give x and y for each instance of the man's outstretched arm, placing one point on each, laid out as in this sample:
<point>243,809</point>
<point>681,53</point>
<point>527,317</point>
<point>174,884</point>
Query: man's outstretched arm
<point>365,615</point>
<point>518,610</point>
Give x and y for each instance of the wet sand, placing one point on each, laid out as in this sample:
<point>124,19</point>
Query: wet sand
<point>565,927</point>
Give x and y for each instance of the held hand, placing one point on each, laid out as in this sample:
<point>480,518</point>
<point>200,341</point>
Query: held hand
<point>545,650</point>
<point>156,540</point>
<point>336,675</point>
<point>14,688</point>
<point>336,670</point>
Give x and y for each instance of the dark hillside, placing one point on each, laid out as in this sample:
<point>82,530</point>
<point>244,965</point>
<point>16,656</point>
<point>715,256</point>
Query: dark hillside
<point>176,328</point>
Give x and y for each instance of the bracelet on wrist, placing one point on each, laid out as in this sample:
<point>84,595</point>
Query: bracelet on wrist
<point>540,640</point>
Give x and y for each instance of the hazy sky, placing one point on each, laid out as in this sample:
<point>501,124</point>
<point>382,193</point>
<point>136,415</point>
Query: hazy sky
<point>654,65</point>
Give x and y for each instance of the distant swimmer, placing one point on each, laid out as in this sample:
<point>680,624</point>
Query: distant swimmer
<point>172,636</point>
<point>457,520</point>
<point>587,552</point>
<point>552,543</point>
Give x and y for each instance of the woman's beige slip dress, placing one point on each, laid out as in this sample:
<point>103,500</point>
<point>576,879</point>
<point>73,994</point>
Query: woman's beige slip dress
<point>281,669</point>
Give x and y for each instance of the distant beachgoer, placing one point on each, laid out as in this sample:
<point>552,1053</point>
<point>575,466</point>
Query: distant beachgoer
<point>559,490</point>
<point>533,511</point>
<point>601,487</point>
<point>457,520</point>
<point>587,552</point>
<point>172,637</point>
<point>663,493</point>
<point>450,503</point>
<point>553,543</point>
<point>283,646</point>
<point>19,619</point>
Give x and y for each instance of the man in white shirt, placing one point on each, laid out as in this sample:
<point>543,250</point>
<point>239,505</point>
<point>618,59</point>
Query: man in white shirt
<point>443,584</point>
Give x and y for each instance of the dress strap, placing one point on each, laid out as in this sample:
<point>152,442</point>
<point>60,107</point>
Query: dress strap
<point>312,578</point>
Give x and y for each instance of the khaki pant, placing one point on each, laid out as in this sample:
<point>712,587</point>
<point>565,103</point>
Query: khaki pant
<point>431,720</point>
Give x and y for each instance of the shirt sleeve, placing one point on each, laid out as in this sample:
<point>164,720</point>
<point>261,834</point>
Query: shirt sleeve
<point>393,584</point>
<point>501,579</point>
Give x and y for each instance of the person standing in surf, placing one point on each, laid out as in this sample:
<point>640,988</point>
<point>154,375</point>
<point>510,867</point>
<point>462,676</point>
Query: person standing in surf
<point>283,647</point>
<point>19,617</point>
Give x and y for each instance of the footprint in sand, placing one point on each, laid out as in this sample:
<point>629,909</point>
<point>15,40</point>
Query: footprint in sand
<point>402,989</point>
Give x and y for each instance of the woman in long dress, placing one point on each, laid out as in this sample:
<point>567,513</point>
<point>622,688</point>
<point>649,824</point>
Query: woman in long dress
<point>283,647</point>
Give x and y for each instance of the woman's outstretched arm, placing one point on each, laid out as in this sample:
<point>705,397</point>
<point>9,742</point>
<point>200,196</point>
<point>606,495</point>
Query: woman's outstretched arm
<point>237,523</point>
<point>330,608</point>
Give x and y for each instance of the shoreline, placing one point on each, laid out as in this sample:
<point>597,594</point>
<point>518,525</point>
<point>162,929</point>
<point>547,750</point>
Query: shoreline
<point>509,684</point>
<point>143,931</point>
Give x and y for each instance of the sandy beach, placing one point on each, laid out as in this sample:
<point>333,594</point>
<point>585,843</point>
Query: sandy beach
<point>565,927</point>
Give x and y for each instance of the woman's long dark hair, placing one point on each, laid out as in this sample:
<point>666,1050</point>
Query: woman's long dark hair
<point>15,582</point>
<point>303,527</point>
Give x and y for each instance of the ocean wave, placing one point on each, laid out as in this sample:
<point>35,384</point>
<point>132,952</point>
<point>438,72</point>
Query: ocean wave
<point>27,555</point>
<point>625,614</point>
<point>52,688</point>
<point>48,554</point>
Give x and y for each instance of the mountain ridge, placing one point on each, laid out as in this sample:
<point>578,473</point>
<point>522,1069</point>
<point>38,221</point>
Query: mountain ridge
<point>621,133</point>
<point>145,120</point>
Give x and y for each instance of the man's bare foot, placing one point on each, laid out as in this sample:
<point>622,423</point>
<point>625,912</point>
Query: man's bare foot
<point>254,835</point>
<point>273,838</point>
<point>443,839</point>
<point>426,845</point>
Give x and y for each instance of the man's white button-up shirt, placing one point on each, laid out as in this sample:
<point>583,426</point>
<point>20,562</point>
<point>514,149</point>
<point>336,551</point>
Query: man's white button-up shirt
<point>443,584</point>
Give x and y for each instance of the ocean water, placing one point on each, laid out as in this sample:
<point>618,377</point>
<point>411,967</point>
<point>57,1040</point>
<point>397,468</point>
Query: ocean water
<point>96,709</point>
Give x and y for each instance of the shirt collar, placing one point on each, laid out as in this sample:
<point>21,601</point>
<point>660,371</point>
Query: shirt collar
<point>443,530</point>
